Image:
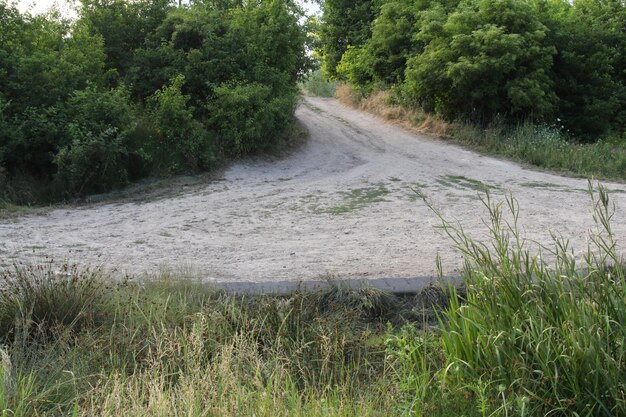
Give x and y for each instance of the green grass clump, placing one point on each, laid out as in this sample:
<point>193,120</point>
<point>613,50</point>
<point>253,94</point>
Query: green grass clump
<point>531,337</point>
<point>358,198</point>
<point>47,298</point>
<point>459,181</point>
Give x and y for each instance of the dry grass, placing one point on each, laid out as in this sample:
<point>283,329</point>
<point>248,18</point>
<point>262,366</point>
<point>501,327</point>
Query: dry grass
<point>381,104</point>
<point>175,347</point>
<point>237,381</point>
<point>347,95</point>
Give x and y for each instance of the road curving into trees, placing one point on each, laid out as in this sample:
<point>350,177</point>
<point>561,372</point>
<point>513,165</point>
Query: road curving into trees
<point>344,204</point>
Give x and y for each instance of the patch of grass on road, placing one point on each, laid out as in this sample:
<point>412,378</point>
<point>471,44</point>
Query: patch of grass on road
<point>459,181</point>
<point>358,198</point>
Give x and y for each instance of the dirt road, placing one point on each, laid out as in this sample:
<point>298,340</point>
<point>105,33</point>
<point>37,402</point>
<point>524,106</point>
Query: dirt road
<point>342,205</point>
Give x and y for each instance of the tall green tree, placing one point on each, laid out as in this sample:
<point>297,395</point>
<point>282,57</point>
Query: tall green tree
<point>345,23</point>
<point>588,70</point>
<point>123,25</point>
<point>486,58</point>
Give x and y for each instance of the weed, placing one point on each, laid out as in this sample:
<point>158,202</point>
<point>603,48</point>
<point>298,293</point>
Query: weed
<point>535,338</point>
<point>462,182</point>
<point>358,198</point>
<point>45,297</point>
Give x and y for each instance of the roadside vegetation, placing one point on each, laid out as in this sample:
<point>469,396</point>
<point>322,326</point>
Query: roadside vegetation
<point>543,146</point>
<point>314,84</point>
<point>530,333</point>
<point>141,88</point>
<point>536,81</point>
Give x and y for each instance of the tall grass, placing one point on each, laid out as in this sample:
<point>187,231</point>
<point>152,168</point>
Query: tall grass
<point>176,347</point>
<point>532,336</point>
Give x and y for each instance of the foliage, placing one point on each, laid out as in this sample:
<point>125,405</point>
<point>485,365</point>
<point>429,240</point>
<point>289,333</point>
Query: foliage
<point>547,62</point>
<point>247,116</point>
<point>345,23</point>
<point>123,26</point>
<point>179,141</point>
<point>133,88</point>
<point>586,72</point>
<point>314,84</point>
<point>355,67</point>
<point>489,58</point>
<point>382,59</point>
<point>392,41</point>
<point>95,154</point>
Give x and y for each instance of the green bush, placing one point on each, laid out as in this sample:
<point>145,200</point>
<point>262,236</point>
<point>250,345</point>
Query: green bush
<point>180,142</point>
<point>122,92</point>
<point>33,137</point>
<point>382,59</point>
<point>94,162</point>
<point>587,72</point>
<point>345,23</point>
<point>95,155</point>
<point>248,117</point>
<point>487,58</point>
<point>355,67</point>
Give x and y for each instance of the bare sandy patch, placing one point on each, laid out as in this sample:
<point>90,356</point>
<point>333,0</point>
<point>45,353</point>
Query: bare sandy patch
<point>342,205</point>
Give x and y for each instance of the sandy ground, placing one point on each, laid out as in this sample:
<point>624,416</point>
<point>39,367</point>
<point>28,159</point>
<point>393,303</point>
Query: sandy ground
<point>341,205</point>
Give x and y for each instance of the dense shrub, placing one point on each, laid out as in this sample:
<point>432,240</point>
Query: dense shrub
<point>179,142</point>
<point>548,62</point>
<point>345,23</point>
<point>247,116</point>
<point>588,69</point>
<point>489,58</point>
<point>382,59</point>
<point>95,154</point>
<point>133,88</point>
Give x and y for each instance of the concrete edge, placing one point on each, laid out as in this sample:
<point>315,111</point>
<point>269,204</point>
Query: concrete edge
<point>398,286</point>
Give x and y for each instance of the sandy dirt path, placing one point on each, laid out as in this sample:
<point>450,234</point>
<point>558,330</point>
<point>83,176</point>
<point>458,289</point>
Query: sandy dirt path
<point>341,205</point>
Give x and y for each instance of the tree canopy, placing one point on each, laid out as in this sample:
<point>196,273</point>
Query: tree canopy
<point>548,61</point>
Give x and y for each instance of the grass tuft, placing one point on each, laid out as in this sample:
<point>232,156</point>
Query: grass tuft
<point>48,298</point>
